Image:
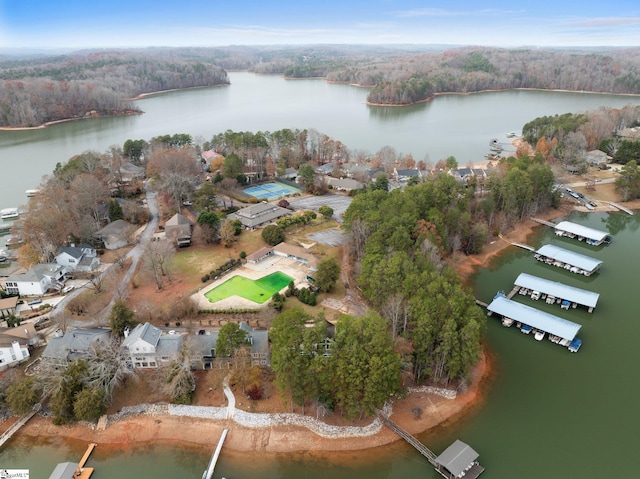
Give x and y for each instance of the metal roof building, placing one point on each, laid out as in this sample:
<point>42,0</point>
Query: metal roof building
<point>457,459</point>
<point>585,263</point>
<point>532,317</point>
<point>583,233</point>
<point>559,290</point>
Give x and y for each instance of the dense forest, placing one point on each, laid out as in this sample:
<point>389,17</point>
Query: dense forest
<point>35,91</point>
<point>39,89</point>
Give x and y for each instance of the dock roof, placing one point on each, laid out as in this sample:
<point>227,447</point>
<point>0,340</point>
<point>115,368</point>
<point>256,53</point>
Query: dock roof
<point>566,256</point>
<point>534,318</point>
<point>457,457</point>
<point>580,230</point>
<point>559,290</point>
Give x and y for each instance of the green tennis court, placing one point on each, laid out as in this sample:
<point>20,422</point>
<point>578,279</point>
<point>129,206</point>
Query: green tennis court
<point>258,291</point>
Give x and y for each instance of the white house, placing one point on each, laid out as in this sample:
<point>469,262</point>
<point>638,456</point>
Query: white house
<point>14,344</point>
<point>37,281</point>
<point>78,258</point>
<point>147,347</point>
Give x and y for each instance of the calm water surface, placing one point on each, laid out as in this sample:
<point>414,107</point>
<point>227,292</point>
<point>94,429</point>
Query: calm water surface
<point>547,413</point>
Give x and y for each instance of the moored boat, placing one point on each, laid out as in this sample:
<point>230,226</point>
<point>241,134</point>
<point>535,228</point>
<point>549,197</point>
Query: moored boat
<point>32,193</point>
<point>9,213</point>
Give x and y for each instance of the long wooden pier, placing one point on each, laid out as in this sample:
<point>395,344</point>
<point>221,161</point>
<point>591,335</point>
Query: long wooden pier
<point>621,208</point>
<point>16,427</point>
<point>421,448</point>
<point>543,222</point>
<point>81,471</point>
<point>208,473</point>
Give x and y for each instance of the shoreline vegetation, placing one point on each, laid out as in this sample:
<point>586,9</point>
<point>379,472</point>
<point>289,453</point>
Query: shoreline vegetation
<point>437,411</point>
<point>142,96</point>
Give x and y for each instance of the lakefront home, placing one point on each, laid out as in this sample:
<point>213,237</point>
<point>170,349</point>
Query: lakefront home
<point>116,234</point>
<point>146,346</point>
<point>37,281</point>
<point>15,344</point>
<point>83,258</point>
<point>64,349</point>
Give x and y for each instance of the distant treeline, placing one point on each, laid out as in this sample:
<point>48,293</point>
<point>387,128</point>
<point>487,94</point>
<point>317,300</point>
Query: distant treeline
<point>36,90</point>
<point>41,90</point>
<point>418,77</point>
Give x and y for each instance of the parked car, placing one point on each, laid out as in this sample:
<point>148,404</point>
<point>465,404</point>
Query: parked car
<point>68,289</point>
<point>33,302</point>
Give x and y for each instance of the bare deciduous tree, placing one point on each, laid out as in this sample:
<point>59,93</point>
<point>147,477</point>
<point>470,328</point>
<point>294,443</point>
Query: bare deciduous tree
<point>157,257</point>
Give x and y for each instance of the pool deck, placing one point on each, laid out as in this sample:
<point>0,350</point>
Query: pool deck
<point>296,270</point>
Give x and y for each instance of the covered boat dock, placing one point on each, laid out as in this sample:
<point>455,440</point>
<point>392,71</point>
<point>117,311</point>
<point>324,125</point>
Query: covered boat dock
<point>458,460</point>
<point>559,330</point>
<point>554,292</point>
<point>567,259</point>
<point>582,233</point>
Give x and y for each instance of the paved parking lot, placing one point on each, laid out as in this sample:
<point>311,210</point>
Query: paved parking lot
<point>332,237</point>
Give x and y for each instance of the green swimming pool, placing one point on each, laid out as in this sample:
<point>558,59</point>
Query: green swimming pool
<point>258,291</point>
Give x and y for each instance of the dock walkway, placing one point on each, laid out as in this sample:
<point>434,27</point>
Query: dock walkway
<point>208,473</point>
<point>621,208</point>
<point>543,222</point>
<point>16,427</point>
<point>421,448</point>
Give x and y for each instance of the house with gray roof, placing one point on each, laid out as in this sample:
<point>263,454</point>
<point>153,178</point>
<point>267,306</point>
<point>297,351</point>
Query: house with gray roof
<point>147,347</point>
<point>179,229</point>
<point>116,234</point>
<point>82,258</point>
<point>15,344</point>
<point>63,349</point>
<point>325,169</point>
<point>344,184</point>
<point>203,347</point>
<point>259,214</point>
<point>37,281</point>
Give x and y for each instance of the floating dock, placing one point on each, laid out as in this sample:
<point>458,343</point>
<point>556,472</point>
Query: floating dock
<point>567,259</point>
<point>588,235</point>
<point>554,292</point>
<point>457,461</point>
<point>69,470</point>
<point>528,319</point>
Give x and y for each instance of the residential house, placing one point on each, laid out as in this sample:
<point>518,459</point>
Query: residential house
<point>257,215</point>
<point>325,169</point>
<point>37,281</point>
<point>259,341</point>
<point>83,258</point>
<point>147,347</point>
<point>179,229</point>
<point>15,344</point>
<point>344,184</point>
<point>596,157</point>
<point>297,253</point>
<point>8,307</point>
<point>204,347</point>
<point>64,349</point>
<point>209,157</point>
<point>115,235</point>
<point>130,173</point>
<point>406,175</point>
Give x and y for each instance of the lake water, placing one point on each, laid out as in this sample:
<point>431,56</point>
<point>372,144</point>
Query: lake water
<point>548,413</point>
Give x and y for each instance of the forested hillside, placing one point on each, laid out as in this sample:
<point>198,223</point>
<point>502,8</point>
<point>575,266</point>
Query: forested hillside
<point>41,90</point>
<point>36,90</point>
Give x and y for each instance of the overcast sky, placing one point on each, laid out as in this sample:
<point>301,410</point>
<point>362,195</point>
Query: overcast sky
<point>135,23</point>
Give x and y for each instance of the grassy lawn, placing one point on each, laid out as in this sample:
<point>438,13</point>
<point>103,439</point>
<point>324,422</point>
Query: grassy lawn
<point>257,291</point>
